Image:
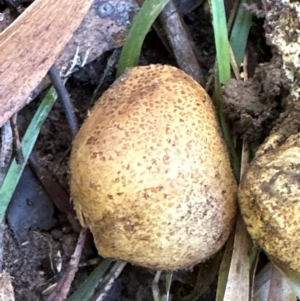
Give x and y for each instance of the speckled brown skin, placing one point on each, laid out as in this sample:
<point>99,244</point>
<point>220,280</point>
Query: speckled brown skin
<point>151,175</point>
<point>269,197</point>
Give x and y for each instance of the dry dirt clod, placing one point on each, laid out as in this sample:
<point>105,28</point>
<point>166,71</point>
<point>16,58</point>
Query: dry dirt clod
<point>253,106</point>
<point>150,173</point>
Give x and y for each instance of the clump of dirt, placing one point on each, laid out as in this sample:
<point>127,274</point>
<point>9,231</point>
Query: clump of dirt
<point>254,105</point>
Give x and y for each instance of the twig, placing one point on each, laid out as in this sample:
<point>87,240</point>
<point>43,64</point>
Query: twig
<point>18,153</point>
<point>234,65</point>
<point>63,286</point>
<point>112,60</point>
<point>181,42</point>
<point>6,149</point>
<point>2,229</point>
<point>5,157</point>
<point>165,39</point>
<point>245,66</point>
<point>63,94</point>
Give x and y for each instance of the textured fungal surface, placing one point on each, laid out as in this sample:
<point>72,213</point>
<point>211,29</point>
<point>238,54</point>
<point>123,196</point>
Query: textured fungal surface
<point>282,26</point>
<point>150,174</point>
<point>269,200</point>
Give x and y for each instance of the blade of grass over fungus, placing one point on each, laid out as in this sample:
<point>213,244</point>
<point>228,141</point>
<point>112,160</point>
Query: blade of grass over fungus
<point>240,31</point>
<point>87,289</point>
<point>140,27</point>
<point>15,170</point>
<point>218,102</point>
<point>221,39</point>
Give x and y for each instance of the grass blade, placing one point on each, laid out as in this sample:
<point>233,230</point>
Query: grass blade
<point>15,170</point>
<point>240,31</point>
<point>140,27</point>
<point>86,290</point>
<point>221,39</point>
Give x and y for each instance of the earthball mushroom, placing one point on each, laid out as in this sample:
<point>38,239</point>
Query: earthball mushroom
<point>269,197</point>
<point>150,173</point>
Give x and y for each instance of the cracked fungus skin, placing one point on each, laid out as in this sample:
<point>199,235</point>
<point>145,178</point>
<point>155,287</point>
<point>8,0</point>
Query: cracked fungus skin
<point>150,174</point>
<point>269,197</point>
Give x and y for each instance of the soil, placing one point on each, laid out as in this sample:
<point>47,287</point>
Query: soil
<point>252,108</point>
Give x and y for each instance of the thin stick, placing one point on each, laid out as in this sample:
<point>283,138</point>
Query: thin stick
<point>112,60</point>
<point>234,65</point>
<point>2,230</point>
<point>63,286</point>
<point>6,149</point>
<point>18,153</point>
<point>63,94</point>
<point>5,157</point>
<point>180,41</point>
<point>245,66</point>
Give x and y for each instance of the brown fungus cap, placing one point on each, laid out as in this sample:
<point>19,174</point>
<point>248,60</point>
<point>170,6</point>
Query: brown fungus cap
<point>269,200</point>
<point>150,174</point>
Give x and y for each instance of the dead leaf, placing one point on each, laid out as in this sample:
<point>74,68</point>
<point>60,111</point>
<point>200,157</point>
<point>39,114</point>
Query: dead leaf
<point>30,45</point>
<point>6,288</point>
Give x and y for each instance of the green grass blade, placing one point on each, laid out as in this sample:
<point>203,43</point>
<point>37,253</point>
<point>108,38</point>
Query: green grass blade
<point>86,290</point>
<point>140,27</point>
<point>221,40</point>
<point>15,170</point>
<point>240,31</point>
<point>218,102</point>
<point>235,159</point>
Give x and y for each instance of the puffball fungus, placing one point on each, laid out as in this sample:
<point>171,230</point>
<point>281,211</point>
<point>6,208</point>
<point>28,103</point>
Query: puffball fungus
<point>269,200</point>
<point>150,174</point>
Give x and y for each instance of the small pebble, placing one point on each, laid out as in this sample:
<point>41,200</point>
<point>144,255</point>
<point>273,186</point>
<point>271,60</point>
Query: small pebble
<point>56,234</point>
